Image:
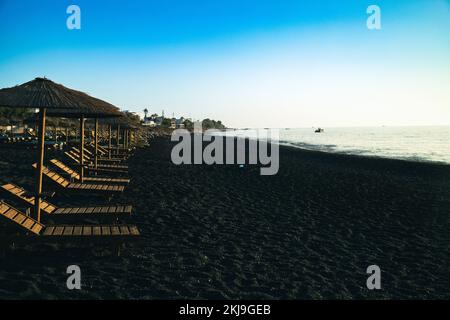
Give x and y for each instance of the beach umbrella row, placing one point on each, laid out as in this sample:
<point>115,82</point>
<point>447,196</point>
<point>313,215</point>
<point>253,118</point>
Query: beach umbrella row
<point>55,100</point>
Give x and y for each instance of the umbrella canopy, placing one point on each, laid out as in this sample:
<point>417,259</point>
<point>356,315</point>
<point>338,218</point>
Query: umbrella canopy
<point>123,121</point>
<point>46,95</point>
<point>56,98</point>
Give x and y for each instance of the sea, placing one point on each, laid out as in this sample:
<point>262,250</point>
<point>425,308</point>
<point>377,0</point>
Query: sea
<point>424,143</point>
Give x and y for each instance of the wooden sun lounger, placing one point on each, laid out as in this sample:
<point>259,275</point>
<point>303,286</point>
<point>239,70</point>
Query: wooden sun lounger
<point>100,168</point>
<point>34,228</point>
<point>75,186</point>
<point>75,175</point>
<point>90,156</point>
<point>119,152</point>
<point>115,148</point>
<point>102,149</point>
<point>49,208</point>
<point>104,153</point>
<point>76,154</point>
<point>99,149</point>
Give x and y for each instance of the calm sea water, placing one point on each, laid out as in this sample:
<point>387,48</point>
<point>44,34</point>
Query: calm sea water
<point>431,144</point>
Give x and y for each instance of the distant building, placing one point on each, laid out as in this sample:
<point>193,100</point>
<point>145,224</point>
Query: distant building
<point>156,121</point>
<point>148,122</point>
<point>179,123</point>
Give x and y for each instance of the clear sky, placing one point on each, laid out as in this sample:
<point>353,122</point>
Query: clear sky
<point>249,63</point>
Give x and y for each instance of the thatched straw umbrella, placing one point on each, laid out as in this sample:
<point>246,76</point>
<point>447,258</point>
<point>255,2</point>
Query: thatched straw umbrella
<point>46,95</point>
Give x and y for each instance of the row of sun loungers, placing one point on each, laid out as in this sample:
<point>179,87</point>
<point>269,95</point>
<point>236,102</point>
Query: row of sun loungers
<point>67,179</point>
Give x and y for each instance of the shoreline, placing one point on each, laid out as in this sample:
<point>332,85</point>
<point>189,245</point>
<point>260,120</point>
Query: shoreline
<point>424,161</point>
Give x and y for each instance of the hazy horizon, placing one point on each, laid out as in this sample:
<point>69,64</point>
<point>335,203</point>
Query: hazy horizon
<point>249,63</point>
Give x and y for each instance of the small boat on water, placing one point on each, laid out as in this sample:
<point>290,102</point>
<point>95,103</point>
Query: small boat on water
<point>319,130</point>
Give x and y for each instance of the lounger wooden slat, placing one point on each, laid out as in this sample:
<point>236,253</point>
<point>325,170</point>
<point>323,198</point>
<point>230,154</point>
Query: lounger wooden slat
<point>62,210</point>
<point>77,231</point>
<point>87,231</point>
<point>90,210</point>
<point>48,231</point>
<point>37,228</point>
<point>134,230</point>
<point>106,230</point>
<point>97,210</point>
<point>3,208</point>
<point>58,231</point>
<point>44,205</point>
<point>128,209</point>
<point>124,230</point>
<point>115,231</point>
<point>104,210</point>
<point>50,208</point>
<point>68,231</point>
<point>96,231</point>
<point>81,210</point>
<point>19,218</point>
<point>28,223</point>
<point>8,186</point>
<point>11,213</point>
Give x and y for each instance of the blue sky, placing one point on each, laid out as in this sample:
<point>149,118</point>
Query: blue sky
<point>249,63</point>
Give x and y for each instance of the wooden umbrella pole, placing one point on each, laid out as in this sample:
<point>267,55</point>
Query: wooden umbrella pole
<point>96,142</point>
<point>125,138</point>
<point>67,135</point>
<point>40,163</point>
<point>109,141</point>
<point>81,148</point>
<point>118,137</point>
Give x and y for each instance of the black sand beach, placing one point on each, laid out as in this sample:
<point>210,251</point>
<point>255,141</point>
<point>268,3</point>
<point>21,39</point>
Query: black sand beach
<point>308,232</point>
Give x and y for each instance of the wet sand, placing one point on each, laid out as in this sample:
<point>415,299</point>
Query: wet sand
<point>308,232</point>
